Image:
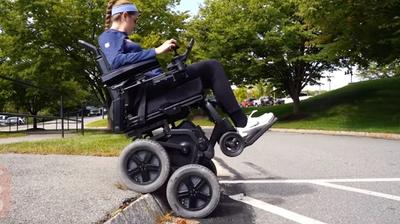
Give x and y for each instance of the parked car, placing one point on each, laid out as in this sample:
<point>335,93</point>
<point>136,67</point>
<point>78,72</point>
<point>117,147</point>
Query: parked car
<point>94,111</point>
<point>279,101</point>
<point>15,120</point>
<point>248,102</point>
<point>89,111</point>
<point>3,119</point>
<point>267,100</point>
<point>257,103</point>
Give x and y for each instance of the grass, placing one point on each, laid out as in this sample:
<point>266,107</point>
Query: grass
<point>98,124</point>
<point>103,123</point>
<point>11,134</point>
<point>93,143</point>
<point>370,106</point>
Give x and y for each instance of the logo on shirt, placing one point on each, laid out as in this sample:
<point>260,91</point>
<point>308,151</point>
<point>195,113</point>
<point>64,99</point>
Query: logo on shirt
<point>107,45</point>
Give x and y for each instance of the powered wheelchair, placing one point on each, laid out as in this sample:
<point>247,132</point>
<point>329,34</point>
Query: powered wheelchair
<point>164,152</point>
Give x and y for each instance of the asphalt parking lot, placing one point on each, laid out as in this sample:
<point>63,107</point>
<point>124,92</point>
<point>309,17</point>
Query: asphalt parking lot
<point>282,178</point>
<point>299,178</point>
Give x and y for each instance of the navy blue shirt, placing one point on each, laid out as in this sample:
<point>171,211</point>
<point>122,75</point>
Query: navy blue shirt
<point>120,51</point>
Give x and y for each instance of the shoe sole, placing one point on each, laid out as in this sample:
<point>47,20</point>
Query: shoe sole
<point>257,133</point>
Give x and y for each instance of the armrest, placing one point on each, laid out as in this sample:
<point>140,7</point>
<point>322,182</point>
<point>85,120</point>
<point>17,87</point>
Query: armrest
<point>126,72</point>
<point>171,77</point>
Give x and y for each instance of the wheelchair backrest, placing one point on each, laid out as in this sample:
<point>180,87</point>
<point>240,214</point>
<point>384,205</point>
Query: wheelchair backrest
<point>102,63</point>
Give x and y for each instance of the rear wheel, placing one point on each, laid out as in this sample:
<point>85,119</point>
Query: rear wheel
<point>144,166</point>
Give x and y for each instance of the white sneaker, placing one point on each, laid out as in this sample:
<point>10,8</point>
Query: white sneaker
<point>256,122</point>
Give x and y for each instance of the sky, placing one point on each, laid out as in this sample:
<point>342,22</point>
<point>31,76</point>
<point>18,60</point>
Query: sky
<point>190,5</point>
<point>338,78</point>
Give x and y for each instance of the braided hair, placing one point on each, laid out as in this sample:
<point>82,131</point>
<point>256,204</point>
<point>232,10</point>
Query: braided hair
<point>109,18</point>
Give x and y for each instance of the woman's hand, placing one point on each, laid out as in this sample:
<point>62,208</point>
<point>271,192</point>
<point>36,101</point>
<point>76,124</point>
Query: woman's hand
<point>167,46</point>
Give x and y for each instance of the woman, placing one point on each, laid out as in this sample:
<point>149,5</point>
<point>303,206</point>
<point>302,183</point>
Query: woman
<point>121,20</point>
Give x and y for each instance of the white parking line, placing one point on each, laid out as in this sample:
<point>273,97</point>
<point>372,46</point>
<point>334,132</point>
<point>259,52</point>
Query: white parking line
<point>358,190</point>
<point>299,181</point>
<point>275,210</point>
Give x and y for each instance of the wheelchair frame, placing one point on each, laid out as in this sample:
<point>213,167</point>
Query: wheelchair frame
<point>175,138</point>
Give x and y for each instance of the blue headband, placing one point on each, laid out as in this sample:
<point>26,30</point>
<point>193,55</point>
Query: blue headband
<point>124,8</point>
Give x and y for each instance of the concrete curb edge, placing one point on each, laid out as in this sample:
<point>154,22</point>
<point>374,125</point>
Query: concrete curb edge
<point>146,209</point>
<point>387,136</point>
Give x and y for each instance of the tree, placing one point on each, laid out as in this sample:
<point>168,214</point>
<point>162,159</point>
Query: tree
<point>31,53</point>
<point>260,40</point>
<point>376,71</point>
<point>5,93</point>
<point>363,30</point>
<point>240,93</point>
<point>40,45</point>
<point>262,89</point>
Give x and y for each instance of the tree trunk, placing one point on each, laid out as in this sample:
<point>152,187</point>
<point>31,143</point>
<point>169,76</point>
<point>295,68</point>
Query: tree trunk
<point>296,104</point>
<point>34,123</point>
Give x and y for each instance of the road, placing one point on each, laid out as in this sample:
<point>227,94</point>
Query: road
<point>303,178</point>
<point>59,189</point>
<point>284,178</point>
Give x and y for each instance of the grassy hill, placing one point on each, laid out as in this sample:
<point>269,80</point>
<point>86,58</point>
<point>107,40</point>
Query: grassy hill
<point>371,106</point>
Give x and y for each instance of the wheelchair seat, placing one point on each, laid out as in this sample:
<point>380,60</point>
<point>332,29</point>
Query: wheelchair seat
<point>168,103</point>
<point>136,110</point>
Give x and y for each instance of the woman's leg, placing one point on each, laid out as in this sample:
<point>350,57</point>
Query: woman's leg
<point>213,77</point>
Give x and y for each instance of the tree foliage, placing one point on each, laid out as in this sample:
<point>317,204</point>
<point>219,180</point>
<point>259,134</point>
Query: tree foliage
<point>258,40</point>
<point>39,44</point>
<point>363,30</point>
<point>376,71</point>
<point>262,89</point>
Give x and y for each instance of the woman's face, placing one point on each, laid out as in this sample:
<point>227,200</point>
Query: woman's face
<point>131,20</point>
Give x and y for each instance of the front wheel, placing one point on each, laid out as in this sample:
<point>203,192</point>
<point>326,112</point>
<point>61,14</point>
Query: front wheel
<point>193,191</point>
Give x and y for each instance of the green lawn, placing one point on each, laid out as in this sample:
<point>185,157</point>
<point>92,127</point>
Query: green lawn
<point>370,106</point>
<point>98,124</point>
<point>92,143</point>
<point>11,134</point>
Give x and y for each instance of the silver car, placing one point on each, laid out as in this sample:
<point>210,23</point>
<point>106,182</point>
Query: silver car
<point>15,120</point>
<point>94,111</point>
<point>3,120</point>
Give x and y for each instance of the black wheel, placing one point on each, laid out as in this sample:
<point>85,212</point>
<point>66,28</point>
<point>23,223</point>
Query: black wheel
<point>232,144</point>
<point>144,166</point>
<point>193,191</point>
<point>209,164</point>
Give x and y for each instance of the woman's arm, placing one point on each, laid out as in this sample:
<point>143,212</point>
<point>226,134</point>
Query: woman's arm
<point>122,59</point>
<point>112,44</point>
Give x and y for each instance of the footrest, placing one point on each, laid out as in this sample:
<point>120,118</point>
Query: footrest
<point>252,137</point>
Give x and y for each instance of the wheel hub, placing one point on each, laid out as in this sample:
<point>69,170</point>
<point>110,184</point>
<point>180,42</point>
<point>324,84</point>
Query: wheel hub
<point>146,168</point>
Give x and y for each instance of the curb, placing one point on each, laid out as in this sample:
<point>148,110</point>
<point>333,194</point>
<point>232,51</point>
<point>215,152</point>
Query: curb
<point>386,136</point>
<point>146,209</point>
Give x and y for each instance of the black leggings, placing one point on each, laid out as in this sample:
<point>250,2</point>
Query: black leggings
<point>213,77</point>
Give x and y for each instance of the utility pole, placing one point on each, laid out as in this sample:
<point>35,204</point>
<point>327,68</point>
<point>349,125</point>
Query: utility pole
<point>329,80</point>
<point>62,117</point>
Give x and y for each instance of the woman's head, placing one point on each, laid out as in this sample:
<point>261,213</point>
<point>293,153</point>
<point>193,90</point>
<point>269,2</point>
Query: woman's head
<point>122,14</point>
